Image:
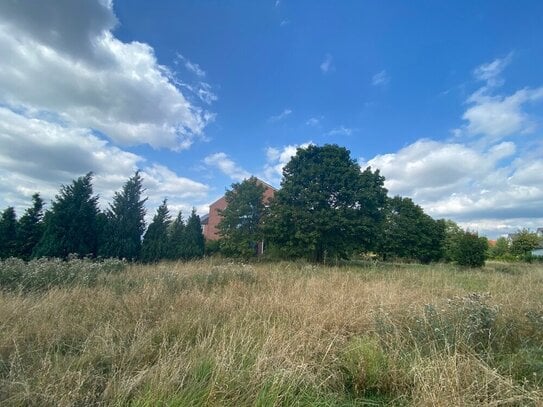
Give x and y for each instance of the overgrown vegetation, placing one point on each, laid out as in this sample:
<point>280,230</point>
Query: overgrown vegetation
<point>220,333</point>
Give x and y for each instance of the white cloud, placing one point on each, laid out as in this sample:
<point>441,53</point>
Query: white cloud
<point>380,79</point>
<point>284,22</point>
<point>62,59</point>
<point>313,121</point>
<point>328,64</point>
<point>495,117</point>
<point>490,72</point>
<point>227,166</point>
<point>340,131</point>
<point>500,116</point>
<point>487,189</point>
<point>39,156</point>
<point>277,158</point>
<point>281,116</point>
<point>193,67</point>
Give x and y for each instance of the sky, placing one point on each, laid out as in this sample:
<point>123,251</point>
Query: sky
<point>444,98</point>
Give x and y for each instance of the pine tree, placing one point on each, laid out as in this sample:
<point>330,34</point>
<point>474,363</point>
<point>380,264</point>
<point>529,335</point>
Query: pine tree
<point>194,242</point>
<point>155,241</point>
<point>125,221</point>
<point>176,235</point>
<point>70,225</point>
<point>8,233</point>
<point>30,228</point>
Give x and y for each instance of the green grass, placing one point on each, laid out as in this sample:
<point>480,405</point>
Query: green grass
<point>269,334</point>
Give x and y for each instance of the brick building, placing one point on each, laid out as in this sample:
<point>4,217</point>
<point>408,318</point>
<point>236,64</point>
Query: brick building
<point>210,222</point>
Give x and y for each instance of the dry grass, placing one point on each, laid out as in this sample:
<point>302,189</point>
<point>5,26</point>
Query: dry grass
<point>219,333</point>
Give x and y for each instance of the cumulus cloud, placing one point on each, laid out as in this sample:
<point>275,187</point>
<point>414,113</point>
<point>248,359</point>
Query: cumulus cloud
<point>63,59</point>
<point>277,158</point>
<point>39,156</point>
<point>71,93</point>
<point>380,79</point>
<point>328,64</point>
<point>499,116</point>
<point>227,166</point>
<point>495,116</point>
<point>475,187</point>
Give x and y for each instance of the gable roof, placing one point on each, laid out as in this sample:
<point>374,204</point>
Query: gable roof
<point>258,181</point>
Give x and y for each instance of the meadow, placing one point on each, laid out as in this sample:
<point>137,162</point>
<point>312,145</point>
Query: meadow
<point>215,332</point>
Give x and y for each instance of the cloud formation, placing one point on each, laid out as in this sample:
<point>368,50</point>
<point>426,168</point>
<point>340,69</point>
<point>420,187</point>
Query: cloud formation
<point>227,166</point>
<point>380,79</point>
<point>328,64</point>
<point>494,116</point>
<point>63,59</point>
<point>281,116</point>
<point>71,95</point>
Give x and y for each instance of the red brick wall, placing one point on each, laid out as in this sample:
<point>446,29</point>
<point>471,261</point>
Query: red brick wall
<point>211,231</point>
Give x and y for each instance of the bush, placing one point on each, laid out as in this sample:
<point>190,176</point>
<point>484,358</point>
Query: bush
<point>470,250</point>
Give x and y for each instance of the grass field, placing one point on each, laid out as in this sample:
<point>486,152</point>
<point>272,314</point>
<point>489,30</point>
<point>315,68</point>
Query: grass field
<point>220,333</point>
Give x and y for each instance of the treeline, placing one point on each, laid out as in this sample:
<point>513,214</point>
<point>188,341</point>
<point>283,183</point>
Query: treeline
<point>74,225</point>
<point>328,208</point>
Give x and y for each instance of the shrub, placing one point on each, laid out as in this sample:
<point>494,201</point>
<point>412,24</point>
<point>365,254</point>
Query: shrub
<point>470,250</point>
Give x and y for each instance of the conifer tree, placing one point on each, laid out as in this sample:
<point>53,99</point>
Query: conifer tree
<point>70,225</point>
<point>176,235</point>
<point>30,228</point>
<point>155,241</point>
<point>194,242</point>
<point>125,221</point>
<point>8,233</point>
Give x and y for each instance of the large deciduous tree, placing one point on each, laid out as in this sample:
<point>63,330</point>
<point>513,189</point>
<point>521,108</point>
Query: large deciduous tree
<point>240,225</point>
<point>523,242</point>
<point>70,224</point>
<point>125,221</point>
<point>326,207</point>
<point>410,233</point>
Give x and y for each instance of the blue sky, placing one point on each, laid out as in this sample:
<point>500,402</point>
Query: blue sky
<point>445,98</point>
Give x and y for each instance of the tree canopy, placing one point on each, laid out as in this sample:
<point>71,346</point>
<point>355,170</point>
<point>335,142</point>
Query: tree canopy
<point>326,206</point>
<point>30,228</point>
<point>410,233</point>
<point>240,225</point>
<point>70,224</point>
<point>125,221</point>
<point>155,244</point>
<point>8,233</point>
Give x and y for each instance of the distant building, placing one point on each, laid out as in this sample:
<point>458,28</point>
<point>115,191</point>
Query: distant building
<point>210,222</point>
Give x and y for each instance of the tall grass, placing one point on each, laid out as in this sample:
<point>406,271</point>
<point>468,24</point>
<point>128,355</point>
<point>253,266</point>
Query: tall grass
<point>220,333</point>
